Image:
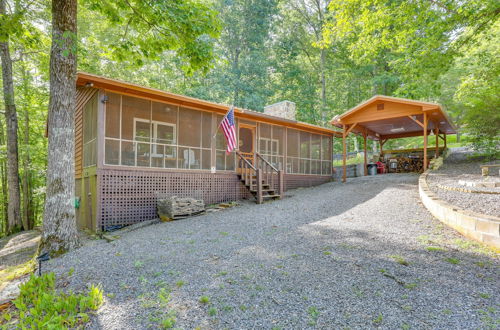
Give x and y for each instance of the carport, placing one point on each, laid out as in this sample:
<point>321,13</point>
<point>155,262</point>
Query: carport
<point>382,118</point>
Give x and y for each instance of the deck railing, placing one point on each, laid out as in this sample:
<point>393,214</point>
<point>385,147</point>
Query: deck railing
<point>254,175</point>
<point>272,175</point>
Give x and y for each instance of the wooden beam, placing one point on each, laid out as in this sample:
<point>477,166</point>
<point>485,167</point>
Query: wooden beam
<point>425,140</point>
<point>344,152</point>
<point>366,156</point>
<point>417,121</point>
<point>403,135</point>
<point>379,116</point>
<point>445,140</point>
<point>350,128</point>
<point>382,142</point>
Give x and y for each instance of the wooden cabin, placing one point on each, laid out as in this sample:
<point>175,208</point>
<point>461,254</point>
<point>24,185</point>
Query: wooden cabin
<point>134,144</point>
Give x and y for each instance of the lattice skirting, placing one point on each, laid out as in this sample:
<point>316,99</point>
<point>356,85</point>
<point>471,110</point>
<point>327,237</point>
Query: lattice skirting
<point>127,197</point>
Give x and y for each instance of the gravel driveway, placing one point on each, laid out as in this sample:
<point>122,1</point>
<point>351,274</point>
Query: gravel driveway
<point>365,254</point>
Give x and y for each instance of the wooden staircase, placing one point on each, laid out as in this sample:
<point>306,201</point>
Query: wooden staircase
<point>260,179</point>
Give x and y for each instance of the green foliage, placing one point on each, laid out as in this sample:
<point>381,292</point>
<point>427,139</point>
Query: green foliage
<point>313,315</point>
<point>212,311</point>
<point>400,260</point>
<point>204,300</point>
<point>479,91</point>
<point>149,29</point>
<point>378,320</point>
<point>453,261</point>
<point>41,306</point>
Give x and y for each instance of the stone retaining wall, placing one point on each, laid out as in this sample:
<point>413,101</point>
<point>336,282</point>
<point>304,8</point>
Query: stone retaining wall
<point>481,227</point>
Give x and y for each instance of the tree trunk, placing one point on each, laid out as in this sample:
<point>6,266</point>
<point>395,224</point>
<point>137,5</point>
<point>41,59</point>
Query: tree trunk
<point>3,173</point>
<point>236,71</point>
<point>323,85</point>
<point>28,216</point>
<point>14,208</point>
<point>59,226</point>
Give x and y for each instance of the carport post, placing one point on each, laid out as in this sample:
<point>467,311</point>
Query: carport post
<point>425,140</point>
<point>444,134</point>
<point>344,148</point>
<point>366,157</point>
<point>436,132</point>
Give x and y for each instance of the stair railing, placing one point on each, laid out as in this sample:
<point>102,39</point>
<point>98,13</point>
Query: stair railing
<point>249,173</point>
<point>270,174</point>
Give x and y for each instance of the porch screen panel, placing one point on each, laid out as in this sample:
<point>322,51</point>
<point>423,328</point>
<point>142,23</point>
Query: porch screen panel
<point>112,129</point>
<point>223,161</point>
<point>90,132</point>
<point>315,154</point>
<point>292,150</point>
<point>195,136</point>
<point>277,147</point>
<point>136,131</point>
<point>206,140</point>
<point>326,155</point>
<point>271,144</point>
<point>305,152</point>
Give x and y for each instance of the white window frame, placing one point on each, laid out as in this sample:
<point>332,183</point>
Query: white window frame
<point>153,132</point>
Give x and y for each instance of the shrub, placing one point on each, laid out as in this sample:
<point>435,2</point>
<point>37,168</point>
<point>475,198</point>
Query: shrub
<point>40,306</point>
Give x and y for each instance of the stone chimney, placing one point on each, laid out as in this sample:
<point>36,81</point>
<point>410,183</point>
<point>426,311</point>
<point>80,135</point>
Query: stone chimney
<point>283,109</point>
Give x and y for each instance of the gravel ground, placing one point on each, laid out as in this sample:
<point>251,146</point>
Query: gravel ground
<point>457,167</point>
<point>365,254</point>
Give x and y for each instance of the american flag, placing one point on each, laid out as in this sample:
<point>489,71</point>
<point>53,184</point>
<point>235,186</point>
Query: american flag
<point>228,129</point>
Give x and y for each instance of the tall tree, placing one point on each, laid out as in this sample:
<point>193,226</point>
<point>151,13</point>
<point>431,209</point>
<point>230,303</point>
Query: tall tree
<point>14,205</point>
<point>59,225</point>
<point>150,29</point>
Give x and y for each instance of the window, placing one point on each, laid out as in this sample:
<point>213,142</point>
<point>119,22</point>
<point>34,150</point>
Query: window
<point>143,133</point>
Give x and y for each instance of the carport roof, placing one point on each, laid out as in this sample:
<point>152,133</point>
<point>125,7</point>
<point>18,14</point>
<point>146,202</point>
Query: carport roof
<point>385,117</point>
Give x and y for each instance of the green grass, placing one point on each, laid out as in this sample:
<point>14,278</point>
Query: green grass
<point>350,161</point>
<point>410,286</point>
<point>204,300</point>
<point>313,315</point>
<point>378,320</point>
<point>453,261</point>
<point>212,311</point>
<point>400,260</point>
<point>13,272</point>
<point>41,306</point>
<point>435,249</point>
<point>168,322</point>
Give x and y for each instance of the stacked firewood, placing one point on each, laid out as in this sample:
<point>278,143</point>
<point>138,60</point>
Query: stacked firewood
<point>406,164</point>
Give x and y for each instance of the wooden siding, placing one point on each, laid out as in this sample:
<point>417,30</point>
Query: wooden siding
<point>83,95</point>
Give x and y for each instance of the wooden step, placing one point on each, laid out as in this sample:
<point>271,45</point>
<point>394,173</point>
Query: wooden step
<point>270,196</point>
<point>269,191</point>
